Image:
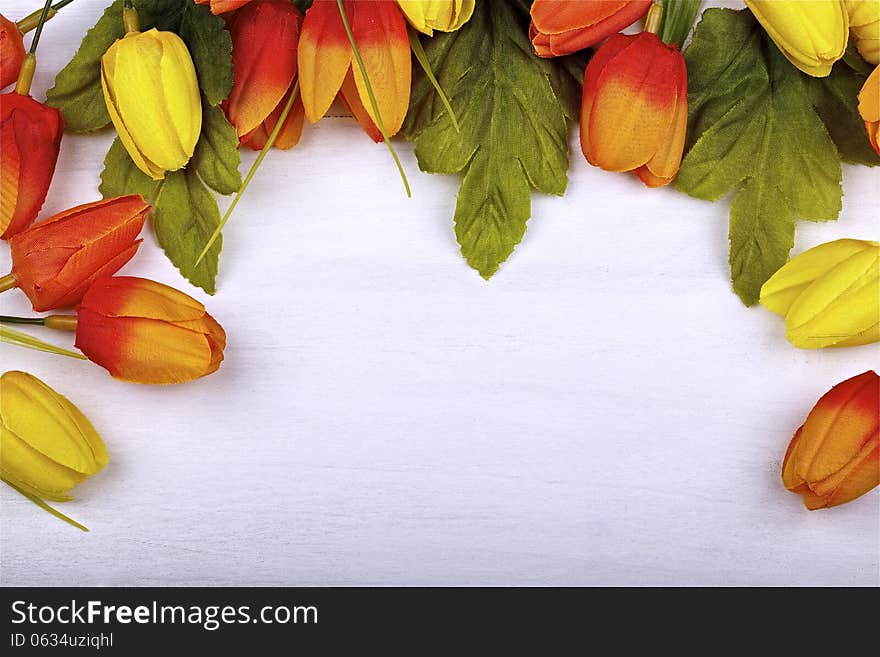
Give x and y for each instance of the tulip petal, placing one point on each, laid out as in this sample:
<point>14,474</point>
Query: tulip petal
<point>379,31</point>
<point>862,478</point>
<point>838,427</point>
<point>34,472</point>
<point>566,27</point>
<point>352,100</point>
<point>124,296</point>
<point>790,478</point>
<point>290,132</point>
<point>324,56</point>
<point>9,176</point>
<point>869,97</point>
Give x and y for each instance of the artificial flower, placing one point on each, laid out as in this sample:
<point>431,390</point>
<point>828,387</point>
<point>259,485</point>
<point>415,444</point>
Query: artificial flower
<point>146,332</point>
<point>290,132</point>
<point>442,15</point>
<point>829,295</point>
<point>634,108</point>
<point>869,108</point>
<point>56,261</point>
<point>834,457</point>
<point>264,44</point>
<point>30,137</point>
<point>327,66</point>
<point>223,6</point>
<point>47,446</point>
<point>812,35</point>
<point>12,52</point>
<point>864,27</point>
<point>561,27</point>
<point>152,95</point>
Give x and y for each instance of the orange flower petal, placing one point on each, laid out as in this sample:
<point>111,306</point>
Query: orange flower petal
<point>324,56</point>
<point>352,100</point>
<point>12,52</point>
<point>597,64</point>
<point>561,27</point>
<point>128,296</point>
<point>290,132</point>
<point>662,167</point>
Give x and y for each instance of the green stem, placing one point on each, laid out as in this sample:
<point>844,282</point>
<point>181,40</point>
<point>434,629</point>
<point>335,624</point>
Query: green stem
<point>678,19</point>
<point>40,503</point>
<point>256,165</point>
<point>421,56</point>
<point>40,25</point>
<point>36,321</point>
<point>20,339</point>
<point>379,123</point>
<point>30,21</point>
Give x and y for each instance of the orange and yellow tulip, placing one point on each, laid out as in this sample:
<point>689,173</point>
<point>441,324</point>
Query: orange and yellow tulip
<point>327,67</point>
<point>56,261</point>
<point>146,332</point>
<point>12,52</point>
<point>223,6</point>
<point>634,108</point>
<point>561,27</point>
<point>264,43</point>
<point>30,137</point>
<point>869,108</point>
<point>834,457</point>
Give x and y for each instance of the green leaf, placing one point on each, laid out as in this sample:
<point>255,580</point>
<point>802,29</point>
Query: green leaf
<point>677,20</point>
<point>77,90</point>
<point>752,129</point>
<point>211,47</point>
<point>184,213</point>
<point>512,107</point>
<point>216,158</point>
<point>836,101</point>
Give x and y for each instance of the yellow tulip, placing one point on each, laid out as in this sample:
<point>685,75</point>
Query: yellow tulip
<point>829,295</point>
<point>152,95</point>
<point>443,15</point>
<point>47,446</point>
<point>812,35</point>
<point>864,25</point>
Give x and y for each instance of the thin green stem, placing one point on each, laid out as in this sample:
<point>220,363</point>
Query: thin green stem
<point>40,503</point>
<point>30,21</point>
<point>256,165</point>
<point>40,25</point>
<point>36,321</point>
<point>20,339</point>
<point>422,57</point>
<point>379,123</point>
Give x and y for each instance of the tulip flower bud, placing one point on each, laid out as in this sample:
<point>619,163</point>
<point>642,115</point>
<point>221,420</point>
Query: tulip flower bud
<point>56,261</point>
<point>829,295</point>
<point>223,6</point>
<point>145,332</point>
<point>812,35</point>
<point>152,95</point>
<point>12,52</point>
<point>634,108</point>
<point>264,41</point>
<point>864,26</point>
<point>47,446</point>
<point>561,27</point>
<point>443,15</point>
<point>30,136</point>
<point>835,456</point>
<point>869,108</point>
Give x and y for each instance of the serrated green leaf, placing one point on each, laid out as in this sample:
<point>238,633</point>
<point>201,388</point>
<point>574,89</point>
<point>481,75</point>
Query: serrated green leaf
<point>836,101</point>
<point>184,213</point>
<point>752,129</point>
<point>512,108</point>
<point>216,157</point>
<point>210,45</point>
<point>77,89</point>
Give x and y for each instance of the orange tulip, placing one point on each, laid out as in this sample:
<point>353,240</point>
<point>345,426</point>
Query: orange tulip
<point>835,456</point>
<point>30,136</point>
<point>223,6</point>
<point>145,332</point>
<point>869,108</point>
<point>561,27</point>
<point>264,42</point>
<point>12,52</point>
<point>327,66</point>
<point>56,261</point>
<point>634,108</point>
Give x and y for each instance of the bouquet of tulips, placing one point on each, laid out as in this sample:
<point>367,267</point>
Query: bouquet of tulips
<point>485,90</point>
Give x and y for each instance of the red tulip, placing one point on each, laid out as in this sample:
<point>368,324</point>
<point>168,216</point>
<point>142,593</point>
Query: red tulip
<point>223,6</point>
<point>835,456</point>
<point>12,52</point>
<point>264,42</point>
<point>561,27</point>
<point>30,136</point>
<point>56,261</point>
<point>145,332</point>
<point>634,108</point>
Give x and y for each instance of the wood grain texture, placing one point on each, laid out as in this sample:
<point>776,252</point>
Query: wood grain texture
<point>604,411</point>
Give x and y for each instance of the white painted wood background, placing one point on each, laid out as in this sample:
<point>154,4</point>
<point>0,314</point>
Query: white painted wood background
<point>604,411</point>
